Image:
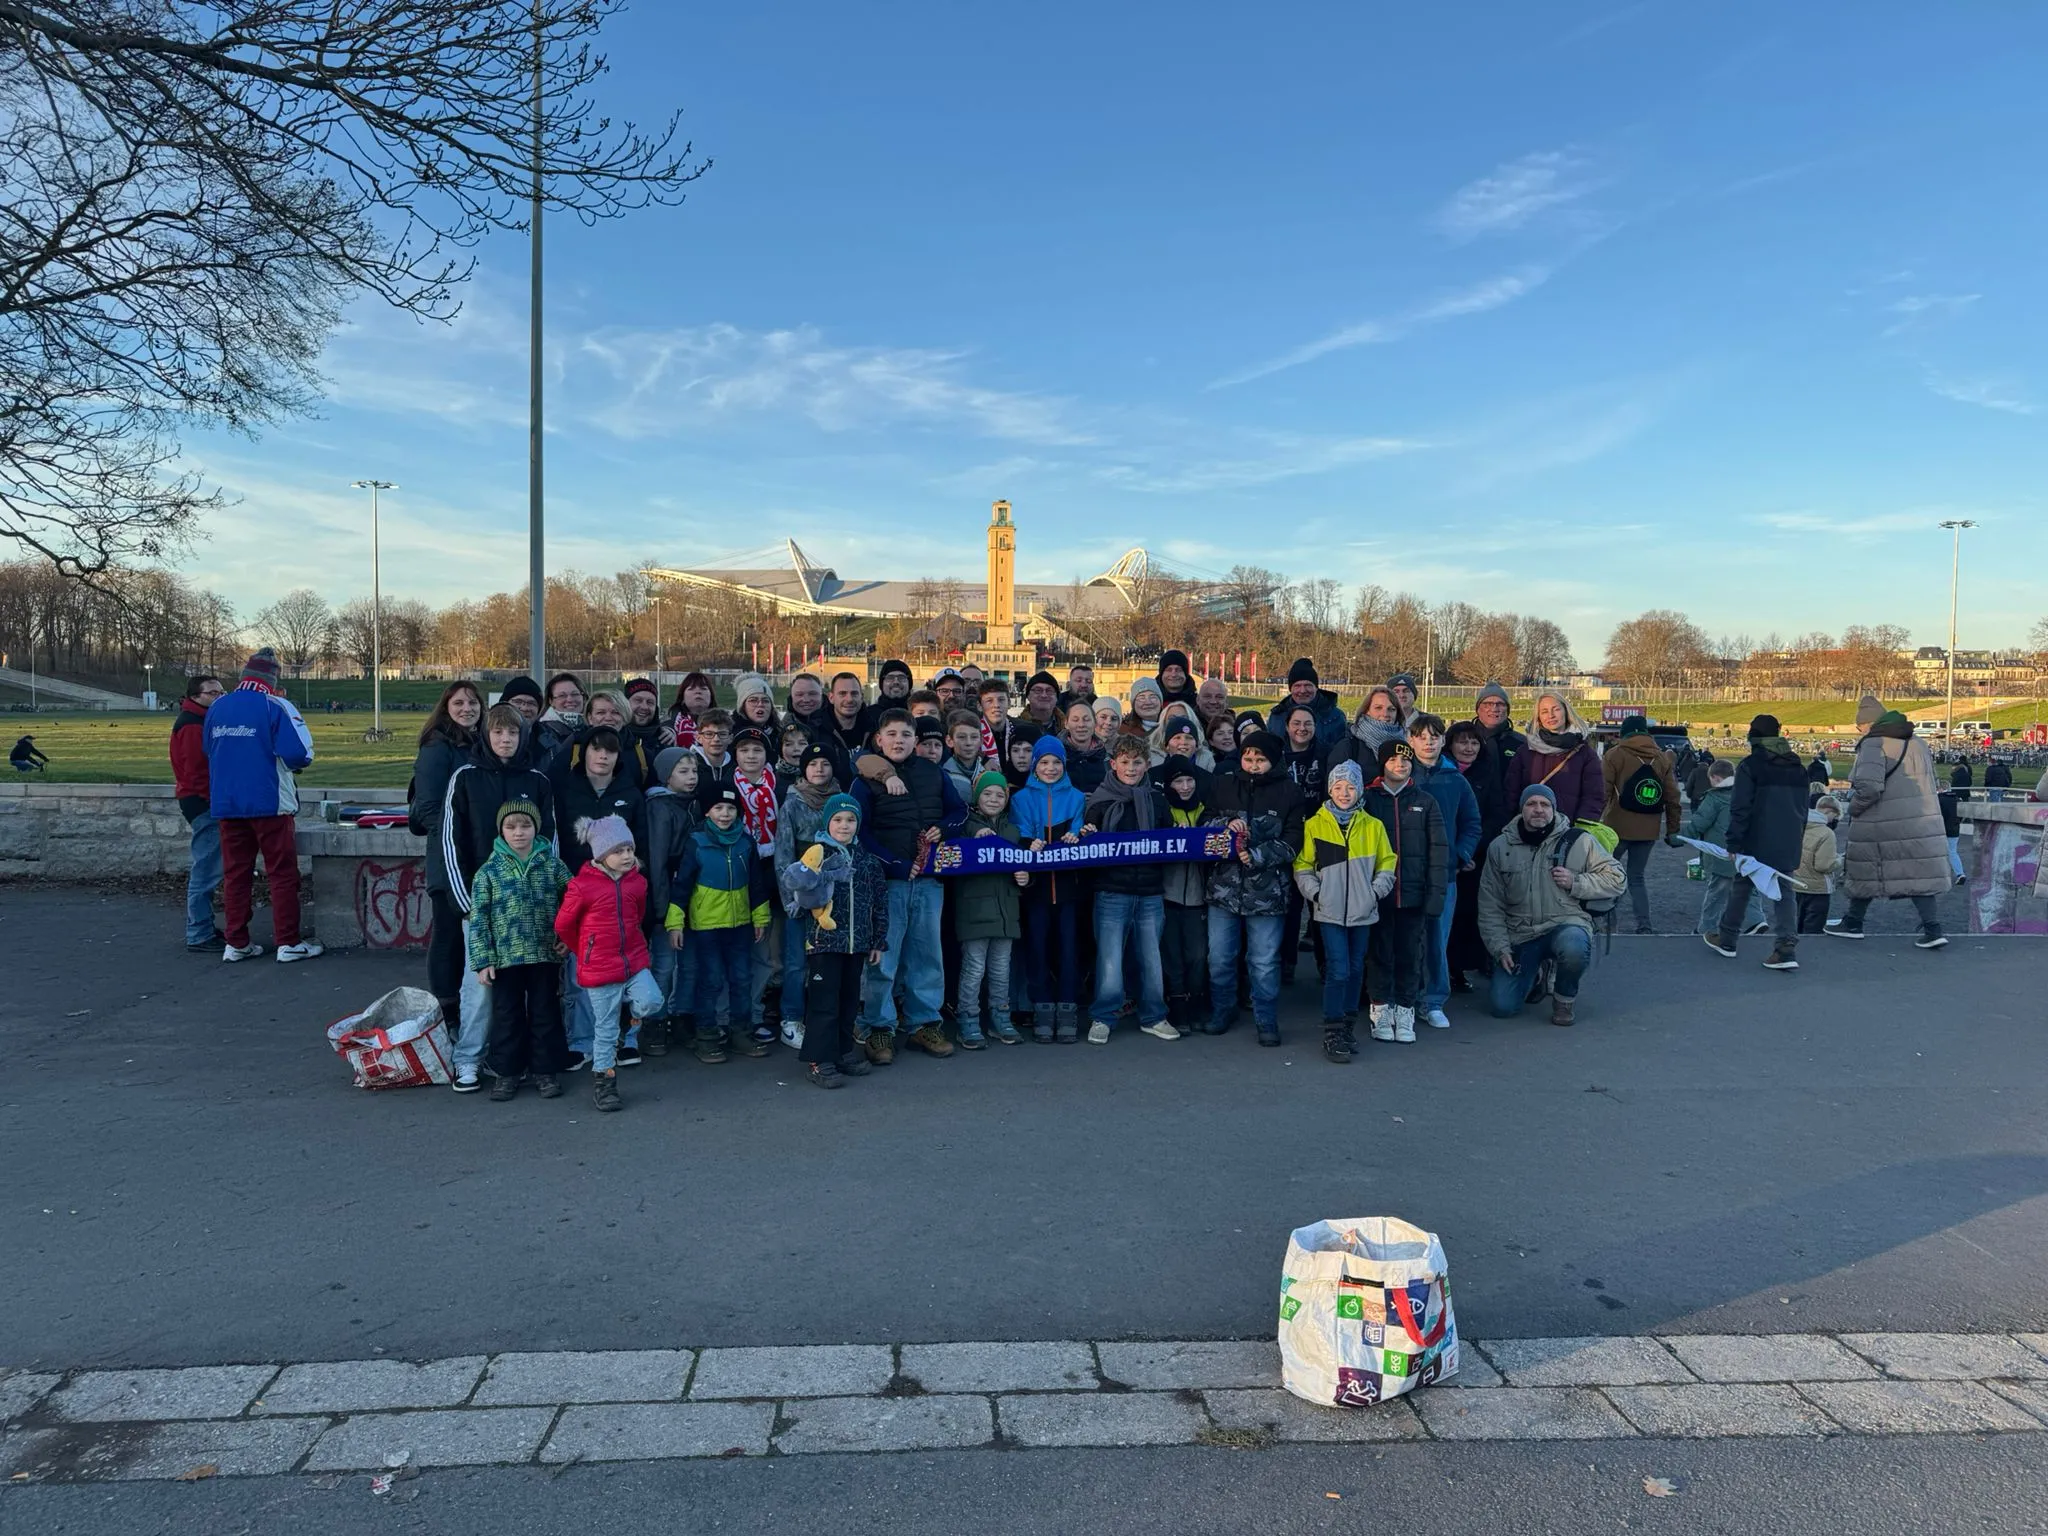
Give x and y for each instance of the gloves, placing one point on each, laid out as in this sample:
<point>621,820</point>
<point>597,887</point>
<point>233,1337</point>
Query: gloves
<point>1671,840</point>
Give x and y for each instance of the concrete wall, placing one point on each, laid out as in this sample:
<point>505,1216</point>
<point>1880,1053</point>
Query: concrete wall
<point>117,831</point>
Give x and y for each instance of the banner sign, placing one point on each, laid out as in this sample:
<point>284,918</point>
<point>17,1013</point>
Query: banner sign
<point>1167,845</point>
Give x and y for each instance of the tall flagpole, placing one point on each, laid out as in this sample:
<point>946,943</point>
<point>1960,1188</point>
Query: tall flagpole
<point>537,566</point>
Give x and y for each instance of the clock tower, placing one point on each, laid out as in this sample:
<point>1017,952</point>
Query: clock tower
<point>1002,576</point>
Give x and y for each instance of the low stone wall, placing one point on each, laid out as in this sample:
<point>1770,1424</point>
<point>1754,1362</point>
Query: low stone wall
<point>118,831</point>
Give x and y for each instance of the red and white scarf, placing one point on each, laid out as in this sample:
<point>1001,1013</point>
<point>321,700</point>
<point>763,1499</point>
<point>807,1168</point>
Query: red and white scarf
<point>757,808</point>
<point>685,729</point>
<point>988,743</point>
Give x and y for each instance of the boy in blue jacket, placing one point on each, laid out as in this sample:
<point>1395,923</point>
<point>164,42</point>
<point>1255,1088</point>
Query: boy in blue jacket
<point>1448,786</point>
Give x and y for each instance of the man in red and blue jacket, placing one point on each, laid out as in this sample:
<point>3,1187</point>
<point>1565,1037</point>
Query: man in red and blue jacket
<point>255,742</point>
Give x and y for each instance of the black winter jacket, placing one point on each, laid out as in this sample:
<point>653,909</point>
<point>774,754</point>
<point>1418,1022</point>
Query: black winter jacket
<point>671,820</point>
<point>577,801</point>
<point>1121,807</point>
<point>1415,826</point>
<point>1767,812</point>
<point>1270,806</point>
<point>1488,777</point>
<point>469,814</point>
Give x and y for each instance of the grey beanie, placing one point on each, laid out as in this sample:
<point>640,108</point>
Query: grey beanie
<point>607,833</point>
<point>1493,691</point>
<point>1540,792</point>
<point>665,762</point>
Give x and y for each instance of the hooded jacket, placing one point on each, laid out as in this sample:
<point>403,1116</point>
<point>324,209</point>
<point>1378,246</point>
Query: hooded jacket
<point>1331,725</point>
<point>1460,807</point>
<point>1270,807</point>
<point>1186,883</point>
<point>469,813</point>
<point>255,742</point>
<point>987,906</point>
<point>1767,811</point>
<point>851,883</point>
<point>578,802</point>
<point>1414,826</point>
<point>1566,760</point>
<point>1046,813</point>
<point>1896,843</point>
<point>1818,854</point>
<point>1342,872</point>
<point>671,826</point>
<point>513,902</point>
<point>600,922</point>
<point>1708,823</point>
<point>1121,807</point>
<point>188,761</point>
<point>1623,761</point>
<point>1519,902</point>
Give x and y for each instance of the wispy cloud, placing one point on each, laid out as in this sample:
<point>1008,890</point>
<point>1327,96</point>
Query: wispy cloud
<point>1916,309</point>
<point>1476,300</point>
<point>1282,456</point>
<point>1857,527</point>
<point>1988,394</point>
<point>1515,193</point>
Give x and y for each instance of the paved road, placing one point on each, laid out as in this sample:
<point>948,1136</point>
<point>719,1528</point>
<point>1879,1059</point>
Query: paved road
<point>1846,1486</point>
<point>1716,1148</point>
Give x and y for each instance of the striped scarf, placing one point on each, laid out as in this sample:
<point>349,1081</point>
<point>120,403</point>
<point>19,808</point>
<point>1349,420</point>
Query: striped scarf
<point>757,808</point>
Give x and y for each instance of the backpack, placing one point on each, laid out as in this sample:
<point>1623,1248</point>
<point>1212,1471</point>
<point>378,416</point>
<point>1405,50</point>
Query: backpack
<point>1643,791</point>
<point>1600,908</point>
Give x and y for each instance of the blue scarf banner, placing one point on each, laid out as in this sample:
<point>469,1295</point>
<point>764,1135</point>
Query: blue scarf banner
<point>1164,845</point>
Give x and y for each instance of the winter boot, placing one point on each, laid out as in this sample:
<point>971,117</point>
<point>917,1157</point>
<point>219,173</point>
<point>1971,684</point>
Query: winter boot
<point>709,1046</point>
<point>1068,1029</point>
<point>1336,1046</point>
<point>1041,1024</point>
<point>1561,1011</point>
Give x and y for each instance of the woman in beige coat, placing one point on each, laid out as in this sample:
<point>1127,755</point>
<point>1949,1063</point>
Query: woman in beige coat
<point>1896,843</point>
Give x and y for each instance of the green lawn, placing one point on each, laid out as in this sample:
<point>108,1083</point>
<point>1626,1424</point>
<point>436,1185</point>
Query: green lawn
<point>101,748</point>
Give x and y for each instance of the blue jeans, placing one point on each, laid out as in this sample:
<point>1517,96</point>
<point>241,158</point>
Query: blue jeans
<point>1344,969</point>
<point>1259,938</point>
<point>725,976</point>
<point>603,1002</point>
<point>675,972</point>
<point>1436,936</point>
<point>793,969</point>
<point>473,1025</point>
<point>1136,920</point>
<point>1569,946</point>
<point>203,881</point>
<point>1955,857</point>
<point>913,957</point>
<point>578,1024</point>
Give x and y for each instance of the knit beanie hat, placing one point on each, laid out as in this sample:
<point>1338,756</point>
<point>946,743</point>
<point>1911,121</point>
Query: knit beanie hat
<point>1540,792</point>
<point>1303,671</point>
<point>261,668</point>
<point>812,753</point>
<point>1868,708</point>
<point>1043,677</point>
<point>1348,772</point>
<point>1264,742</point>
<point>834,804</point>
<point>524,808</point>
<point>521,687</point>
<point>1049,745</point>
<point>1493,691</point>
<point>1173,659</point>
<point>1252,718</point>
<point>641,685</point>
<point>1147,685</point>
<point>990,779</point>
<point>1762,726</point>
<point>1637,725</point>
<point>749,684</point>
<point>607,833</point>
<point>928,728</point>
<point>894,665</point>
<point>665,762</point>
<point>1177,766</point>
<point>1403,680</point>
<point>1398,747</point>
<point>1180,725</point>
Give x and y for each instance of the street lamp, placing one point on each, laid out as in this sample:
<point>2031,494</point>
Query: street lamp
<point>1956,525</point>
<point>376,611</point>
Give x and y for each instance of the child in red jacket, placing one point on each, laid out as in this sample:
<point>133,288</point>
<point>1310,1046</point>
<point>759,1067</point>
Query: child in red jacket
<point>600,923</point>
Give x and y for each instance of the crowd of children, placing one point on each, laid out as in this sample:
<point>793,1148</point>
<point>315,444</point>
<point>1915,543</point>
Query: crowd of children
<point>630,879</point>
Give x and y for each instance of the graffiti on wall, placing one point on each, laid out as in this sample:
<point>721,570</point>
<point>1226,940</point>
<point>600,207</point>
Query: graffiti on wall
<point>391,904</point>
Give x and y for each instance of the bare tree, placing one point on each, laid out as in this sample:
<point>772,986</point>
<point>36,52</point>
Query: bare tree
<point>299,625</point>
<point>408,631</point>
<point>1545,651</point>
<point>1492,653</point>
<point>194,188</point>
<point>1656,649</point>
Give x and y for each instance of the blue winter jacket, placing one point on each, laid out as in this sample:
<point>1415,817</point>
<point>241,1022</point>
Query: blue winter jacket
<point>255,741</point>
<point>1454,797</point>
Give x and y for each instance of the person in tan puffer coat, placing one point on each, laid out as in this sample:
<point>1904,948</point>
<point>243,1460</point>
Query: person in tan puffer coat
<point>1896,844</point>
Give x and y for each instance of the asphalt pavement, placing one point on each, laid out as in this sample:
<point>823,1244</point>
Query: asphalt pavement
<point>1715,1148</point>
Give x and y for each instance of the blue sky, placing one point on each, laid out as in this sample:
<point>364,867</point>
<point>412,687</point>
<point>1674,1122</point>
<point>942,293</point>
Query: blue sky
<point>1575,309</point>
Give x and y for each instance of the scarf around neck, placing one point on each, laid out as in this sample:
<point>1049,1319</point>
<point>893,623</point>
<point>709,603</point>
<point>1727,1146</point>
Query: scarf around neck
<point>757,806</point>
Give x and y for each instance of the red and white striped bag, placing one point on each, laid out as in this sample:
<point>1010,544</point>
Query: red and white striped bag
<point>399,1041</point>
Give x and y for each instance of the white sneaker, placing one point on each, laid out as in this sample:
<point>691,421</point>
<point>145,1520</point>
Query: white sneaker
<point>1098,1034</point>
<point>1438,1019</point>
<point>1382,1022</point>
<point>465,1080</point>
<point>793,1034</point>
<point>305,950</point>
<point>1404,1025</point>
<point>1160,1031</point>
<point>246,952</point>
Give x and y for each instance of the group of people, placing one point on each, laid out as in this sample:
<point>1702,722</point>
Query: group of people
<point>611,875</point>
